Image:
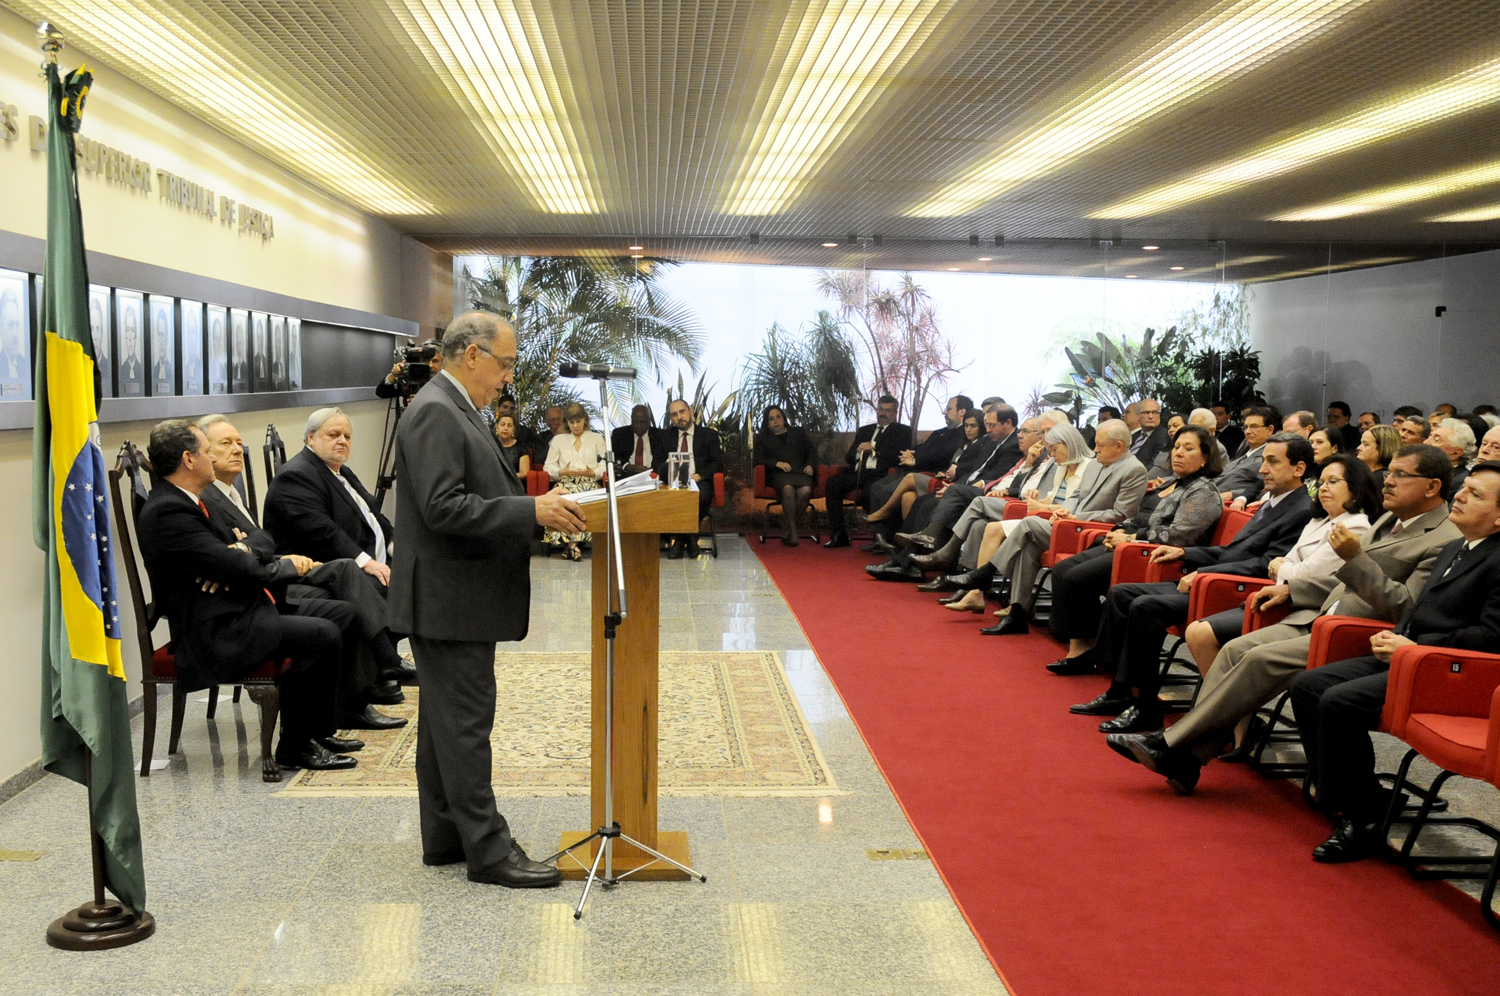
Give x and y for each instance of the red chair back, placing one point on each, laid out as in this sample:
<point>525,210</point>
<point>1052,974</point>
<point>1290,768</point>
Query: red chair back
<point>1231,521</point>
<point>1130,566</point>
<point>1339,638</point>
<point>763,490</point>
<point>538,483</point>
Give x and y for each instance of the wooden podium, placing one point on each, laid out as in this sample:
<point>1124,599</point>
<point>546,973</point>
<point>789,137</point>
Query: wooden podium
<point>643,518</point>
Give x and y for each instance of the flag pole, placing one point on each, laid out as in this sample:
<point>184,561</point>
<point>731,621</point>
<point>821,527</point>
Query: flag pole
<point>102,923</point>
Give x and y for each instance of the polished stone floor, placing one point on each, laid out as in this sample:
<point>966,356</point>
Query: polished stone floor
<point>257,894</point>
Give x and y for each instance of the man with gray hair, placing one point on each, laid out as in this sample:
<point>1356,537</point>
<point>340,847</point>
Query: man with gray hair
<point>460,582</point>
<point>1454,437</point>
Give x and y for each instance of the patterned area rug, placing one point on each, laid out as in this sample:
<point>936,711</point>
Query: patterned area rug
<point>728,725</point>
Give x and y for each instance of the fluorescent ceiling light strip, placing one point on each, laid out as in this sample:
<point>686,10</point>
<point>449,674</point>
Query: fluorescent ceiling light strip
<point>1471,90</point>
<point>1399,195</point>
<point>1314,271</point>
<point>838,55</point>
<point>158,49</point>
<point>1489,212</point>
<point>1237,38</point>
<point>493,56</point>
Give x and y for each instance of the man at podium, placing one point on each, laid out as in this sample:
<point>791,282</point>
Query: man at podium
<point>460,582</point>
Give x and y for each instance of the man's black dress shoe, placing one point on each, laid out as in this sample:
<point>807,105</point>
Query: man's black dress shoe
<point>836,541</point>
<point>957,596</point>
<point>518,871</point>
<point>894,572</point>
<point>385,692</point>
<point>369,718</point>
<point>1082,664</point>
<point>917,541</point>
<point>1101,705</point>
<point>883,545</point>
<point>452,857</point>
<point>1132,720</point>
<point>1351,841</point>
<point>937,584</point>
<point>1015,623</point>
<point>406,674</point>
<point>870,548</point>
<point>1151,751</point>
<point>313,756</point>
<point>342,745</point>
<point>675,551</point>
<point>937,560</point>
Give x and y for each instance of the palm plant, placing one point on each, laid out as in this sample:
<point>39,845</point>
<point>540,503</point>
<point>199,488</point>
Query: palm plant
<point>812,377</point>
<point>596,310</point>
<point>1106,372</point>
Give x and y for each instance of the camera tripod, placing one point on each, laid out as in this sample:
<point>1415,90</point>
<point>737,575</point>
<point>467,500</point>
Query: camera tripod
<point>386,475</point>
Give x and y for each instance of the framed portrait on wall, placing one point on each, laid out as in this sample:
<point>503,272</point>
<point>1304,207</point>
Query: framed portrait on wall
<point>99,313</point>
<point>260,354</point>
<point>190,318</point>
<point>131,366</point>
<point>218,349</point>
<point>163,330</point>
<point>15,336</point>
<point>294,354</point>
<point>239,351</point>
<point>278,353</point>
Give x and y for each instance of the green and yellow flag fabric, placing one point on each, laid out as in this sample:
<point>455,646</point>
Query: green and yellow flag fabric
<point>85,711</point>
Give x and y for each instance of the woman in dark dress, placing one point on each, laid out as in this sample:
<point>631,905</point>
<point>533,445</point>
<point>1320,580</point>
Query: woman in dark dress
<point>511,449</point>
<point>789,457</point>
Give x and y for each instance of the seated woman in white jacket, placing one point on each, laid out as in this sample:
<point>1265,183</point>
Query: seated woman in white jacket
<point>575,460</point>
<point>1346,494</point>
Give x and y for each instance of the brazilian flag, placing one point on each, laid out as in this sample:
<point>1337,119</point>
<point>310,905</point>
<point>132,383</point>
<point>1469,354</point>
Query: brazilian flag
<point>84,707</point>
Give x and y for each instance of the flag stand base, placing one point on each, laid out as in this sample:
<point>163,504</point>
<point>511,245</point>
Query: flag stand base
<point>99,926</point>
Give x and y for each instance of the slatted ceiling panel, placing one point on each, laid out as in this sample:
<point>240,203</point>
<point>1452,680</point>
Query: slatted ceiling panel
<point>661,97</point>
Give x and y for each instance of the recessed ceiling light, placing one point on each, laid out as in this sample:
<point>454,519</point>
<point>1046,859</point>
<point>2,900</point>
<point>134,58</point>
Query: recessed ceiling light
<point>636,255</point>
<point>1176,268</point>
<point>833,61</point>
<point>637,247</point>
<point>830,245</point>
<point>1130,276</point>
<point>952,269</point>
<point>1199,56</point>
<point>1399,194</point>
<point>495,62</point>
<point>985,259</point>
<point>1150,248</point>
<point>1473,89</point>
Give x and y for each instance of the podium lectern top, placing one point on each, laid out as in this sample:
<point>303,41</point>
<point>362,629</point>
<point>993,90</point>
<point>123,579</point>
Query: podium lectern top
<point>661,511</point>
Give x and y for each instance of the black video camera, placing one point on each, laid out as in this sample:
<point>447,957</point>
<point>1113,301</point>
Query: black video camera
<point>416,364</point>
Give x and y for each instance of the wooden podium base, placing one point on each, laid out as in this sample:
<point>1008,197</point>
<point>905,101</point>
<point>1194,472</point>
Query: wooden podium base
<point>672,843</point>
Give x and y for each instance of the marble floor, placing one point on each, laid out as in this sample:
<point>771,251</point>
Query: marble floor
<point>256,894</point>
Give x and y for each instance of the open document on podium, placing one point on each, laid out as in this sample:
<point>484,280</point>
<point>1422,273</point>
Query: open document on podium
<point>634,484</point>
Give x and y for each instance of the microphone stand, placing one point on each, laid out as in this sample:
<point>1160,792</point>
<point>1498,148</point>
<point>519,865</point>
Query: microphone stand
<point>615,611</point>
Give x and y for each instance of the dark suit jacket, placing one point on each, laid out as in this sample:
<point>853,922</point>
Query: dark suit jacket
<point>888,447</point>
<point>622,442</point>
<point>708,459</point>
<point>1160,439</point>
<point>217,637</point>
<point>998,461</point>
<point>461,569</point>
<point>1459,608</point>
<point>973,457</point>
<point>1233,437</point>
<point>1259,542</point>
<point>221,508</point>
<point>935,453</point>
<point>310,513</point>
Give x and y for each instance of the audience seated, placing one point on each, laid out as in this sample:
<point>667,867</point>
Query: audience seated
<point>1229,435</point>
<point>1378,446</point>
<point>791,462</point>
<point>876,450</point>
<point>575,463</point>
<point>1489,446</point>
<point>1456,440</point>
<point>1379,577</point>
<point>1240,480</point>
<point>1368,420</point>
<point>1414,429</point>
<point>1302,423</point>
<point>639,446</point>
<point>930,457</point>
<point>705,459</point>
<point>1151,437</point>
<point>1339,414</point>
<point>1326,441</point>
<point>966,458</point>
<point>1160,468</point>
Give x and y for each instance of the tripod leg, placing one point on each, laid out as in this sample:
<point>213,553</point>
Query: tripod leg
<point>660,857</point>
<point>568,851</point>
<point>588,883</point>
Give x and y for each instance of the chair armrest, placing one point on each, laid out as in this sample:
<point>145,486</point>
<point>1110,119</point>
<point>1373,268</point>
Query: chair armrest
<point>1213,593</point>
<point>1130,562</point>
<point>1015,508</point>
<point>1172,570</point>
<point>1261,618</point>
<point>718,501</point>
<point>1439,680</point>
<point>1337,638</point>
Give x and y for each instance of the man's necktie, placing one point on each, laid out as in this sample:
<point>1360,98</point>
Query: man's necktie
<point>1396,529</point>
<point>1457,559</point>
<point>682,440</point>
<point>640,450</point>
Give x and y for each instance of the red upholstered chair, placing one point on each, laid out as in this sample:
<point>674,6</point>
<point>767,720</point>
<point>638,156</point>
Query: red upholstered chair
<point>1445,704</point>
<point>716,502</point>
<point>538,483</point>
<point>765,502</point>
<point>158,666</point>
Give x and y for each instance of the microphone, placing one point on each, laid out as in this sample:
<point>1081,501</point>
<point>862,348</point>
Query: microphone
<point>598,371</point>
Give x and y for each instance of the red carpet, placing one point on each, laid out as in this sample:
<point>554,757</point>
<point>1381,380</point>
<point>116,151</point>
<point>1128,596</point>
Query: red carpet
<point>1082,873</point>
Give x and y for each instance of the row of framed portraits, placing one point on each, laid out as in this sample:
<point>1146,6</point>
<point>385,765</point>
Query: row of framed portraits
<point>157,346</point>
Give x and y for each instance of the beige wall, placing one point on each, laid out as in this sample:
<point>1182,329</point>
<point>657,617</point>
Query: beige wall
<point>21,581</point>
<point>324,250</point>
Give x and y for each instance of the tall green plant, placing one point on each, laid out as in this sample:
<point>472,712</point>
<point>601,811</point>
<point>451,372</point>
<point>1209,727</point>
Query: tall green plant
<point>812,376</point>
<point>1106,372</point>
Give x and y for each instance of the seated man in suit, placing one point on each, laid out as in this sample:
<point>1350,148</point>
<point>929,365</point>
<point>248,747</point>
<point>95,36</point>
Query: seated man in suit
<point>1454,437</point>
<point>1381,578</point>
<point>1302,423</point>
<point>705,459</point>
<point>219,595</point>
<point>1339,704</point>
<point>1339,417</point>
<point>1241,478</point>
<point>1007,463</point>
<point>639,446</point>
<point>1136,616</point>
<point>931,456</point>
<point>378,670</point>
<point>876,450</point>
<point>1231,435</point>
<point>318,507</point>
<point>552,424</point>
<point>1152,437</point>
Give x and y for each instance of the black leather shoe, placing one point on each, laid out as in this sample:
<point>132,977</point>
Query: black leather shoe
<point>1015,623</point>
<point>406,674</point>
<point>1101,705</point>
<point>870,548</point>
<point>369,718</point>
<point>883,545</point>
<point>1151,751</point>
<point>937,560</point>
<point>894,572</point>
<point>313,756</point>
<point>674,552</point>
<point>1082,664</point>
<point>937,584</point>
<point>957,596</point>
<point>453,857</point>
<point>1132,720</point>
<point>1351,841</point>
<point>342,745</point>
<point>836,541</point>
<point>917,541</point>
<point>385,692</point>
<point>518,871</point>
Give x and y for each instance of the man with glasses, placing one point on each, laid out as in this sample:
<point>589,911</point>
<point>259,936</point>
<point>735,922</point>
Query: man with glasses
<point>1381,577</point>
<point>1153,436</point>
<point>1241,479</point>
<point>460,582</point>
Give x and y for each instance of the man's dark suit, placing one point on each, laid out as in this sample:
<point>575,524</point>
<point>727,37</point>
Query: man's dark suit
<point>219,637</point>
<point>946,509</point>
<point>1337,705</point>
<point>312,514</point>
<point>1159,439</point>
<point>708,460</point>
<point>889,441</point>
<point>622,442</point>
<point>460,582</point>
<point>1233,437</point>
<point>1136,616</point>
<point>932,455</point>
